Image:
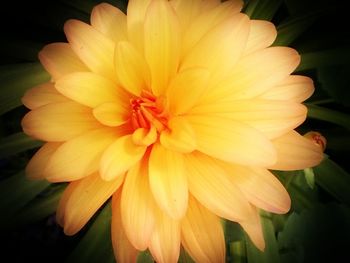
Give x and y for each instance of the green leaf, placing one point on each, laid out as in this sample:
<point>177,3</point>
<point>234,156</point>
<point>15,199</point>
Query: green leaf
<point>15,192</point>
<point>185,257</point>
<point>330,57</point>
<point>238,252</point>
<point>17,143</point>
<point>328,115</point>
<point>271,250</point>
<point>310,177</point>
<point>23,49</point>
<point>145,257</point>
<point>334,179</point>
<point>96,245</point>
<point>15,80</point>
<point>262,9</point>
<point>290,29</point>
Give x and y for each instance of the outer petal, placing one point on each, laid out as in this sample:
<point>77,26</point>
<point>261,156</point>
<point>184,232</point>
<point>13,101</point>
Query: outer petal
<point>294,152</point>
<point>186,89</point>
<point>131,68</point>
<point>202,234</point>
<point>80,156</point>
<point>255,74</point>
<point>59,59</point>
<point>59,121</point>
<point>119,157</point>
<point>165,240</point>
<point>86,197</point>
<point>261,188</point>
<point>111,114</point>
<point>122,248</point>
<point>211,185</point>
<point>36,166</point>
<point>162,44</point>
<point>168,181</point>
<point>135,21</point>
<point>92,47</point>
<point>232,141</point>
<point>138,206</point>
<point>42,95</point>
<point>273,118</point>
<point>254,230</point>
<point>91,89</point>
<point>261,35</point>
<point>110,21</point>
<point>220,56</point>
<point>293,88</point>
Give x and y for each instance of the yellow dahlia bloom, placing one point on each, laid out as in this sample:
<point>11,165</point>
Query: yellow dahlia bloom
<point>178,110</point>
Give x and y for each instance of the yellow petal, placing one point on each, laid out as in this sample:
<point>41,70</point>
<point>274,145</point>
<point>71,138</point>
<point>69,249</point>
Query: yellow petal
<point>168,181</point>
<point>294,152</point>
<point>80,156</point>
<point>41,95</point>
<point>261,188</point>
<point>293,88</point>
<point>200,24</point>
<point>162,44</point>
<point>255,74</point>
<point>145,137</point>
<point>110,21</point>
<point>59,59</point>
<point>210,184</point>
<point>86,197</point>
<point>92,47</point>
<point>61,208</point>
<point>220,56</point>
<point>232,141</point>
<point>165,239</point>
<point>111,114</point>
<point>136,13</point>
<point>254,230</point>
<point>138,206</point>
<point>91,89</point>
<point>59,121</point>
<point>122,248</point>
<point>186,89</point>
<point>273,118</point>
<point>131,68</point>
<point>202,235</point>
<point>261,35</point>
<point>180,137</point>
<point>119,157</point>
<point>36,166</point>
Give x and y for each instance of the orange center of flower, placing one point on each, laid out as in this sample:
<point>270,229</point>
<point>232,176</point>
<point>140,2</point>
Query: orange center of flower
<point>148,110</point>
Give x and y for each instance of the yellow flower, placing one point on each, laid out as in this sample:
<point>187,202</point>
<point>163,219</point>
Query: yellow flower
<point>178,110</point>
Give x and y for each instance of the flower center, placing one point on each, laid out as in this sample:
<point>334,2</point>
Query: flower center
<point>148,110</point>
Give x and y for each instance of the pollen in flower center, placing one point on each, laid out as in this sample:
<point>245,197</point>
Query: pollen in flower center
<point>148,110</point>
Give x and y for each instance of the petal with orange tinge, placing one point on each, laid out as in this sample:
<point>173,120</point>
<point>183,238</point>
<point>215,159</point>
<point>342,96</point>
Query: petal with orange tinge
<point>59,59</point>
<point>131,68</point>
<point>36,166</point>
<point>254,230</point>
<point>111,114</point>
<point>165,239</point>
<point>86,197</point>
<point>41,95</point>
<point>91,89</point>
<point>293,88</point>
<point>119,157</point>
<point>202,235</point>
<point>168,181</point>
<point>92,47</point>
<point>261,35</point>
<point>138,206</point>
<point>59,121</point>
<point>80,156</point>
<point>145,137</point>
<point>271,117</point>
<point>110,21</point>
<point>294,152</point>
<point>232,141</point>
<point>122,248</point>
<point>219,57</point>
<point>210,184</point>
<point>162,44</point>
